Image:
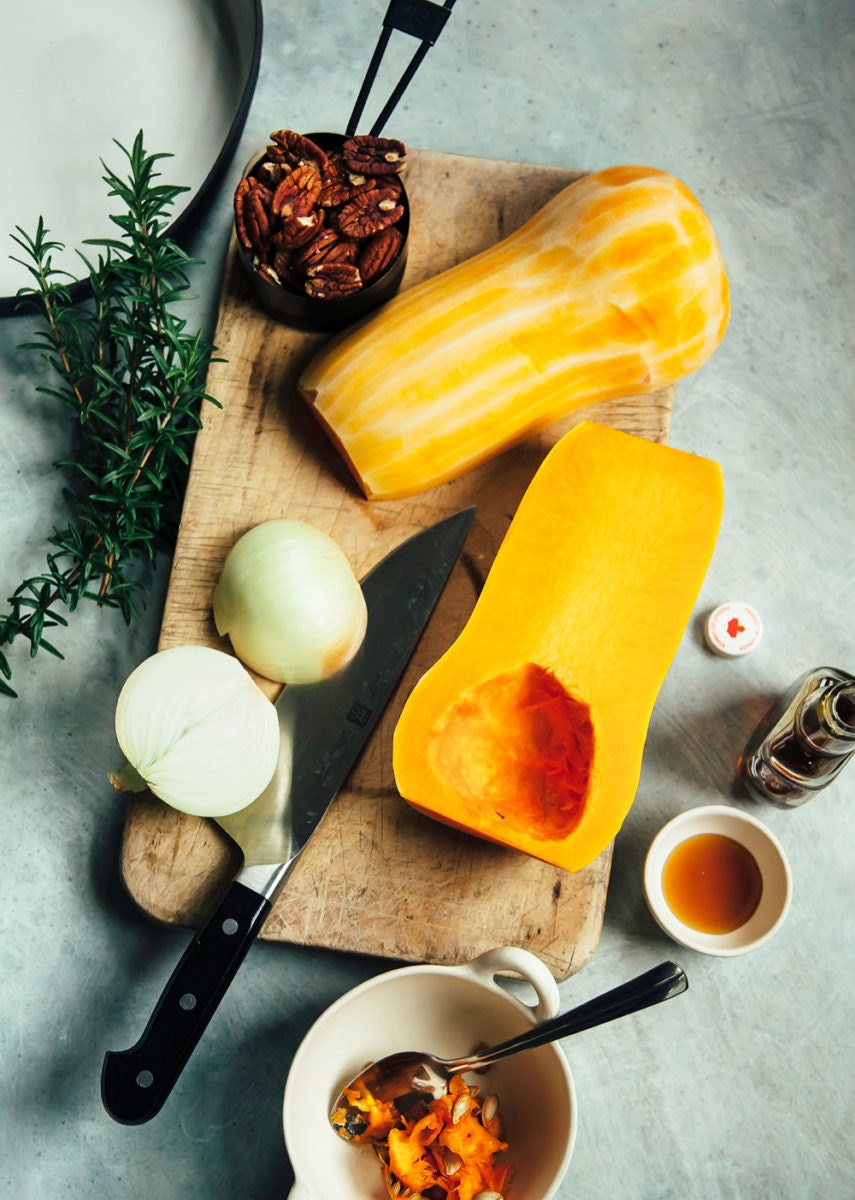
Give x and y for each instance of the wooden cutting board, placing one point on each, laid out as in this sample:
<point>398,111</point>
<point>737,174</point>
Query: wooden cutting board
<point>377,877</point>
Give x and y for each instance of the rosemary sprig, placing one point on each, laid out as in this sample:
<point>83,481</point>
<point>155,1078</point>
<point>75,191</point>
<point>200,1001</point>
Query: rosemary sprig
<point>134,382</point>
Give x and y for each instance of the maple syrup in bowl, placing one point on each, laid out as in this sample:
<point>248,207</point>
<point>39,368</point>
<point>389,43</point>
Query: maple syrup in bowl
<point>717,880</point>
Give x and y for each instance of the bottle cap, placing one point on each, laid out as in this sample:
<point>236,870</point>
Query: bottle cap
<point>733,629</point>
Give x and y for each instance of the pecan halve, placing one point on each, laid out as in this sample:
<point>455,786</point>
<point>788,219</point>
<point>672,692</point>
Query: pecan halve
<point>241,193</point>
<point>369,212</point>
<point>252,215</point>
<point>390,183</point>
<point>340,184</point>
<point>374,155</point>
<point>298,192</point>
<point>295,148</point>
<point>316,250</point>
<point>378,252</point>
<point>275,155</point>
<point>270,173</point>
<point>332,281</point>
<point>269,273</point>
<point>298,230</point>
<point>327,245</point>
<point>284,270</point>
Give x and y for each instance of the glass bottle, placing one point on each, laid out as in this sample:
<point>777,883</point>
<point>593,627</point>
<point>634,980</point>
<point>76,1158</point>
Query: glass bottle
<point>802,746</point>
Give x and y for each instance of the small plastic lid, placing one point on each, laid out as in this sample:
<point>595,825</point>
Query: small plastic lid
<point>733,629</point>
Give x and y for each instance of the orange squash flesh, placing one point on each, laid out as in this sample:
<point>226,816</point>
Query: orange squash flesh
<point>614,288</point>
<point>430,1145</point>
<point>529,730</point>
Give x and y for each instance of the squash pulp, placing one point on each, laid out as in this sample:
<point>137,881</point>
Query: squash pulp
<point>529,730</point>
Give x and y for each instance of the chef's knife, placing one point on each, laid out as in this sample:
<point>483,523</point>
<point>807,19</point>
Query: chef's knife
<point>324,726</point>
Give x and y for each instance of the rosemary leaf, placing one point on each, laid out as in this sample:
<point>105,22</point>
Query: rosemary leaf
<point>134,382</point>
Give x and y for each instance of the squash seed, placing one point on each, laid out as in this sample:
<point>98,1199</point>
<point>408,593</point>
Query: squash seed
<point>460,1108</point>
<point>451,1162</point>
<point>490,1108</point>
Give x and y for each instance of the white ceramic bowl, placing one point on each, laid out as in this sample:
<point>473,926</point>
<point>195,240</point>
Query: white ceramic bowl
<point>770,858</point>
<point>448,1011</point>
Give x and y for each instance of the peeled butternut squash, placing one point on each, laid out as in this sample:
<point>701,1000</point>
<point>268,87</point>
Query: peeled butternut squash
<point>615,287</point>
<point>529,730</point>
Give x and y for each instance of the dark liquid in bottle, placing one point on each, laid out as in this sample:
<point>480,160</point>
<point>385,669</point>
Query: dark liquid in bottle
<point>794,753</point>
<point>791,752</point>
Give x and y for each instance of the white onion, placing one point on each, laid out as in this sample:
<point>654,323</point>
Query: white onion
<point>197,730</point>
<point>290,603</point>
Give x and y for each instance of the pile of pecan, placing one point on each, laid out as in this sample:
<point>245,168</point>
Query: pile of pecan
<point>322,223</point>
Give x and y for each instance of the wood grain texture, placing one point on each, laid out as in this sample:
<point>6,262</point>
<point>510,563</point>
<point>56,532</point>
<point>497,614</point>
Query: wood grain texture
<point>377,877</point>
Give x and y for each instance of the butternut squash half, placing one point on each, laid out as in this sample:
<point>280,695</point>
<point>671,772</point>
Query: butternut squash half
<point>615,287</point>
<point>529,730</point>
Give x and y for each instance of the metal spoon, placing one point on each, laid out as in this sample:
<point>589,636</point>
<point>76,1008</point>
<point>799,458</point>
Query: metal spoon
<point>403,1078</point>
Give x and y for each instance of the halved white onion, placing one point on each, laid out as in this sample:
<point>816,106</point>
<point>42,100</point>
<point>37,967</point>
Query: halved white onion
<point>197,730</point>
<point>290,603</point>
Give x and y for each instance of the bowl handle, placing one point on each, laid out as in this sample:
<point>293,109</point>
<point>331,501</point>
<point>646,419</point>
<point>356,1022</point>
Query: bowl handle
<point>515,960</point>
<point>298,1192</point>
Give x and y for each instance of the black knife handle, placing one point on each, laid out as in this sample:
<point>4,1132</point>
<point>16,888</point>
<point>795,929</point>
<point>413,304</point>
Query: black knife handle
<point>135,1083</point>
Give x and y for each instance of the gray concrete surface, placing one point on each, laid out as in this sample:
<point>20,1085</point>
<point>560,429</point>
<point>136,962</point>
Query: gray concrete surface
<point>742,1090</point>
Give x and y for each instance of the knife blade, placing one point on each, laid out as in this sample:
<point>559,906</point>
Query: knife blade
<point>324,727</point>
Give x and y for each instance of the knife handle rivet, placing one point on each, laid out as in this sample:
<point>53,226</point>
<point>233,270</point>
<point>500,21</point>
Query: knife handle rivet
<point>145,1079</point>
<point>229,926</point>
<point>187,1002</point>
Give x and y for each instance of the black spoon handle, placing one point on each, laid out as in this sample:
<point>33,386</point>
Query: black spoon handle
<point>658,984</point>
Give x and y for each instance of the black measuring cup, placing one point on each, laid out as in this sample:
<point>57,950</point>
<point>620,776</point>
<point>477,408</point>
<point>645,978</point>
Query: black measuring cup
<point>421,19</point>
